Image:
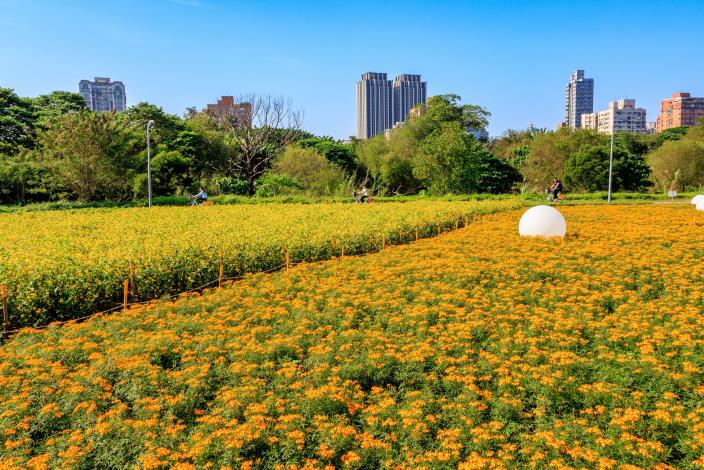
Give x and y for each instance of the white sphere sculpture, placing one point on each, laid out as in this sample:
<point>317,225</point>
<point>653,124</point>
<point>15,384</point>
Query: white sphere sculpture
<point>697,198</point>
<point>542,221</point>
<point>700,205</point>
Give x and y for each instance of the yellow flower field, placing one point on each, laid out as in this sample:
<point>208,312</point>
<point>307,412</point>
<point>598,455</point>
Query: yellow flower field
<point>477,349</point>
<point>61,265</point>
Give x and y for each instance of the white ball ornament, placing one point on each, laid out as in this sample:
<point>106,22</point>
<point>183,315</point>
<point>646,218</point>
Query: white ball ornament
<point>696,199</point>
<point>700,205</point>
<point>542,221</point>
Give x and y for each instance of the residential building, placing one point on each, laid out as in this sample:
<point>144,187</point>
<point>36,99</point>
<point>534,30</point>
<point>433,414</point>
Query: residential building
<point>579,99</point>
<point>374,105</point>
<point>241,113</point>
<point>680,110</point>
<point>409,91</point>
<point>651,127</point>
<point>590,121</point>
<point>382,103</point>
<point>622,116</point>
<point>102,95</point>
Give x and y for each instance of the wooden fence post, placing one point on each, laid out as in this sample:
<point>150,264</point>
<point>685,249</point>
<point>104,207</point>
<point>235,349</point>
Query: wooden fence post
<point>383,241</point>
<point>457,223</point>
<point>438,228</point>
<point>5,316</point>
<point>416,233</point>
<point>125,294</point>
<point>132,283</point>
<point>287,259</point>
<point>342,250</point>
<point>222,269</point>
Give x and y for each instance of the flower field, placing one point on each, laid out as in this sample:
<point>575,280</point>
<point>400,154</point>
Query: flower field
<point>476,349</point>
<point>61,265</point>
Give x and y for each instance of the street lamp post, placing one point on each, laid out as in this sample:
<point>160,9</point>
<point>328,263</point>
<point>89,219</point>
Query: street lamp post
<point>149,165</point>
<point>611,155</point>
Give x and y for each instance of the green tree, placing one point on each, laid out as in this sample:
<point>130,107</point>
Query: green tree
<point>549,152</point>
<point>443,109</point>
<point>335,151</point>
<point>277,184</point>
<point>85,154</point>
<point>451,161</point>
<point>16,121</point>
<point>588,169</point>
<point>49,107</point>
<point>679,164</point>
<point>317,175</point>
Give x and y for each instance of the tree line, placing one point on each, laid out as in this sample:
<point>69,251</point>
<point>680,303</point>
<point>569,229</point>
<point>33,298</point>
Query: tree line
<point>53,148</point>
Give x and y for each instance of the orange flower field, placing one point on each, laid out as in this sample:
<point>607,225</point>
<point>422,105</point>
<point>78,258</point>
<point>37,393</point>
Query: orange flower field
<point>476,349</point>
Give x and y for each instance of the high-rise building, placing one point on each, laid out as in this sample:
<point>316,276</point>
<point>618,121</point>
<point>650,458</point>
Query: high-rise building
<point>621,116</point>
<point>680,110</point>
<point>579,98</point>
<point>240,113</point>
<point>102,95</point>
<point>409,91</point>
<point>374,105</point>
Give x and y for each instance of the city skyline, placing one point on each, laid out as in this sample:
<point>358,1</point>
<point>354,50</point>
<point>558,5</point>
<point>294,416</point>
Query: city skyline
<point>504,56</point>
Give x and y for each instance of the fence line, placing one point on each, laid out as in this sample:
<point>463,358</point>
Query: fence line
<point>130,284</point>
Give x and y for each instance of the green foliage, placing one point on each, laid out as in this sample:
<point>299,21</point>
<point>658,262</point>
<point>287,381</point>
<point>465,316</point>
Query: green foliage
<point>47,108</point>
<point>679,164</point>
<point>450,161</point>
<point>16,121</point>
<point>85,155</point>
<point>336,152</point>
<point>276,184</point>
<point>227,185</point>
<point>317,175</point>
<point>588,169</point>
<point>170,173</point>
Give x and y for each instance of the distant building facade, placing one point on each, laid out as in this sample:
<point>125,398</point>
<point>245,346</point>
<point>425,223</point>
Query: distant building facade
<point>382,103</point>
<point>374,105</point>
<point>579,99</point>
<point>620,116</point>
<point>103,95</point>
<point>590,121</point>
<point>680,110</point>
<point>226,106</point>
<point>409,91</point>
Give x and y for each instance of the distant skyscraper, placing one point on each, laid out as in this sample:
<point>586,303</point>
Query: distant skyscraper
<point>408,92</point>
<point>102,95</point>
<point>374,105</point>
<point>579,98</point>
<point>241,113</point>
<point>381,103</point>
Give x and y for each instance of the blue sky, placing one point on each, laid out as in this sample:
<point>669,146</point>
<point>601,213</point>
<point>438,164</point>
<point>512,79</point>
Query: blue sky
<point>513,57</point>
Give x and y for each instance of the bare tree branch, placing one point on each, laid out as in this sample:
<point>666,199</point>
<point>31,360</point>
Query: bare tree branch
<point>259,127</point>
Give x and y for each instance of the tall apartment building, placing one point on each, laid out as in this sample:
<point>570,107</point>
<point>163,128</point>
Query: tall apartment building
<point>409,91</point>
<point>680,110</point>
<point>102,95</point>
<point>381,103</point>
<point>374,105</point>
<point>241,113</point>
<point>579,98</point>
<point>621,116</point>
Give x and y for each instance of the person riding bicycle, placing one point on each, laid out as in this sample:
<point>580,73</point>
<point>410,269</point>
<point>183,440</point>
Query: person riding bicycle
<point>364,195</point>
<point>201,197</point>
<point>555,189</point>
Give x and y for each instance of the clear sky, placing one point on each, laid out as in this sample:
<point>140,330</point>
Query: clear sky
<point>513,57</point>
